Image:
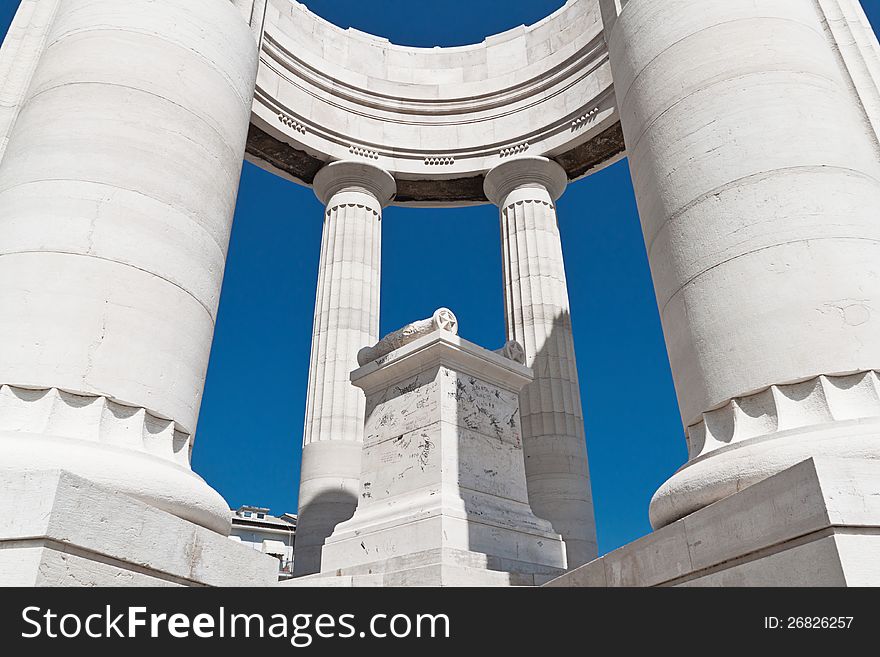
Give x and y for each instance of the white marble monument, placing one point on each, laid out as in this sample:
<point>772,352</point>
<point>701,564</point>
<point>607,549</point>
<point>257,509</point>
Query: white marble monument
<point>752,131</point>
<point>442,495</point>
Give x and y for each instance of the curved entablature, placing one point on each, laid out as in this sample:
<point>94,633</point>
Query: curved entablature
<point>437,119</point>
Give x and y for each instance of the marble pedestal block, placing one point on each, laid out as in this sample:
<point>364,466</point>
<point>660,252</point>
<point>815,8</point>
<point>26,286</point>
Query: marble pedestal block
<point>814,524</point>
<point>443,498</point>
<point>61,530</point>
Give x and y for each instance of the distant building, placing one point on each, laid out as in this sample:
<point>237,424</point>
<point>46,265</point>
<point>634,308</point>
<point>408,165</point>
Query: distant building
<point>254,526</point>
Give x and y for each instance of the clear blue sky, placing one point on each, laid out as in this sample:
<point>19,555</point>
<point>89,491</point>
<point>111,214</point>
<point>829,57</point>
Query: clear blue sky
<point>248,442</point>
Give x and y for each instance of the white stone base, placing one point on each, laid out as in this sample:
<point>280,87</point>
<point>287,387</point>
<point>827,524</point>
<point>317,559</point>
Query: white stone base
<point>815,524</point>
<point>58,529</point>
<point>438,567</point>
<point>443,494</point>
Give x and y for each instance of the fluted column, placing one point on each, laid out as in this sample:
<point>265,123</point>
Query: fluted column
<point>537,316</point>
<point>858,52</point>
<point>19,56</point>
<point>127,124</point>
<point>758,183</point>
<point>346,319</point>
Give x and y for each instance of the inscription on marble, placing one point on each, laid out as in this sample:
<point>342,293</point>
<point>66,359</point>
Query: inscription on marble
<point>483,408</point>
<point>403,407</point>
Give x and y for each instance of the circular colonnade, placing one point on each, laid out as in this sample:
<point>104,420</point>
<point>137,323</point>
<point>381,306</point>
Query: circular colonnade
<point>752,135</point>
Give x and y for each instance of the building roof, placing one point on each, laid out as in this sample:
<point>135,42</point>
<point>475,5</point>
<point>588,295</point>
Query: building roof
<point>286,522</point>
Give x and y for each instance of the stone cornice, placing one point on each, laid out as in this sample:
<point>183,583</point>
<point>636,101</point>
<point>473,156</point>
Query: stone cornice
<point>295,164</point>
<point>442,348</point>
<point>286,63</point>
<point>437,119</point>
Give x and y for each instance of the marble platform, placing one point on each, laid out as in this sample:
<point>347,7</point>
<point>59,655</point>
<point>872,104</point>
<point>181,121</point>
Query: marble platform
<point>815,524</point>
<point>62,530</point>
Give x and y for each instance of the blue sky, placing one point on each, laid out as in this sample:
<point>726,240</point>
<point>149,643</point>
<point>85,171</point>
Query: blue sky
<point>248,441</point>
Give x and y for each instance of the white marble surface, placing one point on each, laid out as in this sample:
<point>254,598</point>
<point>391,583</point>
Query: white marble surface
<point>855,43</point>
<point>117,191</point>
<point>19,54</point>
<point>757,171</point>
<point>538,317</point>
<point>346,319</point>
<point>434,113</point>
<point>61,530</point>
<point>442,468</point>
<point>814,524</point>
<point>442,319</point>
<point>757,177</point>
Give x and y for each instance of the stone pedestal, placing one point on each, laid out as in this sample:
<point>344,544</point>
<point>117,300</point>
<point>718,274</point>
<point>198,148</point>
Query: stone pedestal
<point>61,530</point>
<point>814,524</point>
<point>443,497</point>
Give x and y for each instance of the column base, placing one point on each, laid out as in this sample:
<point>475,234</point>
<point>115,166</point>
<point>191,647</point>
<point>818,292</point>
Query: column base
<point>123,448</point>
<point>62,530</point>
<point>516,548</point>
<point>814,524</point>
<point>728,469</point>
<point>325,500</point>
<point>437,567</point>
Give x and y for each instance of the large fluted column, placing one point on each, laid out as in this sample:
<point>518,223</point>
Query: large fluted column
<point>854,42</point>
<point>19,56</point>
<point>537,314</point>
<point>346,319</point>
<point>117,191</point>
<point>758,188</point>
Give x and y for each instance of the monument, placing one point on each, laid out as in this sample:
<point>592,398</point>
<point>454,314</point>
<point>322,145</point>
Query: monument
<point>443,498</point>
<point>752,131</point>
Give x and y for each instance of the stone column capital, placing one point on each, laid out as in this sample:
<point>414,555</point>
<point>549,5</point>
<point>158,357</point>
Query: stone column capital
<point>527,176</point>
<point>346,176</point>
